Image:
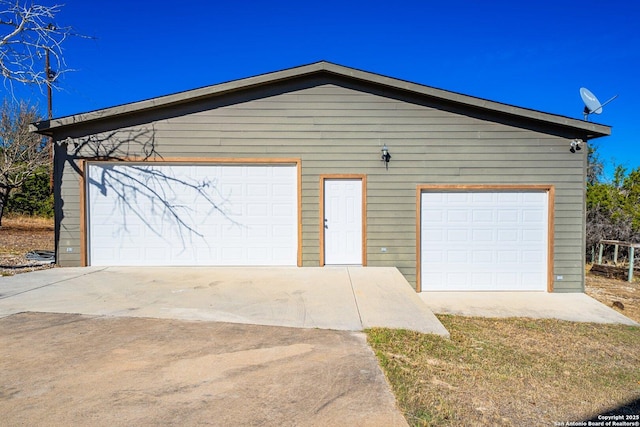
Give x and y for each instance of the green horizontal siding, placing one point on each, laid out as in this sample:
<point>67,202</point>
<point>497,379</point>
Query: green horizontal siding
<point>335,129</point>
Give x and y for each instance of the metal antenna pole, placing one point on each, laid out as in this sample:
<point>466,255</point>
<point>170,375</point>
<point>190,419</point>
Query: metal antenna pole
<point>606,102</point>
<point>48,76</point>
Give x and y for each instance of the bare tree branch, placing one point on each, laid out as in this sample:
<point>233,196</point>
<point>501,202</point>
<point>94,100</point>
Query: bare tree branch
<point>144,183</point>
<point>27,32</point>
<point>151,184</point>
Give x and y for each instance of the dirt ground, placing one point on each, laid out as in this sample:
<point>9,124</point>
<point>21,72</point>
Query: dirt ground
<point>23,234</point>
<point>66,369</point>
<point>621,295</point>
<point>19,235</point>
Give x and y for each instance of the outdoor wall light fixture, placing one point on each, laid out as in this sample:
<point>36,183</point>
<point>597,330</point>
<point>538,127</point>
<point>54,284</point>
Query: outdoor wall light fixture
<point>575,145</point>
<point>385,156</point>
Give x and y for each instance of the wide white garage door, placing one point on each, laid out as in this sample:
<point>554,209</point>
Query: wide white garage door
<point>178,214</point>
<point>484,241</point>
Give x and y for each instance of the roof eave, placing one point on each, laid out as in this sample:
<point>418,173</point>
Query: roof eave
<point>593,130</point>
<point>588,129</point>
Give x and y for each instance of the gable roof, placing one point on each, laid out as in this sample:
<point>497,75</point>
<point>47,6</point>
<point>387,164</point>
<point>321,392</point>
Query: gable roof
<point>587,130</point>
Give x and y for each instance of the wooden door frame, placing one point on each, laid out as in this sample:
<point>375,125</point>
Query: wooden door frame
<point>84,163</point>
<point>363,179</point>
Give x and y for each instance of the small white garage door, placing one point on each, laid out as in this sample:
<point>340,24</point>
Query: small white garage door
<point>178,214</point>
<point>484,241</point>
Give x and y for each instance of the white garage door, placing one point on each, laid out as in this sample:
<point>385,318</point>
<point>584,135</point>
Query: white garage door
<point>177,214</point>
<point>484,241</point>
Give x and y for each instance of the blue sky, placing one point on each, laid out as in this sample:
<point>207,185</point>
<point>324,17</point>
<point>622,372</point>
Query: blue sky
<point>531,54</point>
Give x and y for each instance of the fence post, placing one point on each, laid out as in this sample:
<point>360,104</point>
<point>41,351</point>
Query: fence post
<point>631,253</point>
<point>600,253</point>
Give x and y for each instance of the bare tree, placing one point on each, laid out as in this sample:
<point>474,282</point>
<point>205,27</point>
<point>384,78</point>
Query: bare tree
<point>21,152</point>
<point>28,37</point>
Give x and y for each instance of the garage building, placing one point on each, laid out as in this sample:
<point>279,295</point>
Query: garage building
<point>288,169</point>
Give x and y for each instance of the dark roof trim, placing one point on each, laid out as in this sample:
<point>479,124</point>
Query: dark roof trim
<point>590,130</point>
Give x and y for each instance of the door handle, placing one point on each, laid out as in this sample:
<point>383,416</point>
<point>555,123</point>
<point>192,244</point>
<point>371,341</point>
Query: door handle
<point>325,223</point>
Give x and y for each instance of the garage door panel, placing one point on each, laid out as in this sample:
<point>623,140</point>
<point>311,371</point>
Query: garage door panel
<point>456,257</point>
<point>257,190</point>
<point>506,198</point>
<point>507,236</point>
<point>532,216</point>
<point>482,279</point>
<point>507,257</point>
<point>482,235</point>
<point>259,210</point>
<point>480,198</point>
<point>482,257</point>
<point>532,236</point>
<point>533,257</point>
<point>457,280</point>
<point>458,235</point>
<point>434,216</point>
<point>457,216</point>
<point>487,240</point>
<point>506,280</point>
<point>192,214</point>
<point>483,216</point>
<point>453,198</point>
<point>508,215</point>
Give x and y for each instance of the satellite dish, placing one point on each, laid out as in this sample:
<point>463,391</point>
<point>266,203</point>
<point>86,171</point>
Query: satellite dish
<point>591,103</point>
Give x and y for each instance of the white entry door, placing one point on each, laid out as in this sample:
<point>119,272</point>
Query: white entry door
<point>343,221</point>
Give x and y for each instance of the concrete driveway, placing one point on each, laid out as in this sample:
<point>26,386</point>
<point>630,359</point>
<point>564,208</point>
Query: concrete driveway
<point>190,346</point>
<point>340,298</point>
<point>574,307</point>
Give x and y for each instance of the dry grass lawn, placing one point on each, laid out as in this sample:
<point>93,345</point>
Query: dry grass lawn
<point>510,371</point>
<point>517,371</point>
<point>19,235</point>
<point>622,295</point>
